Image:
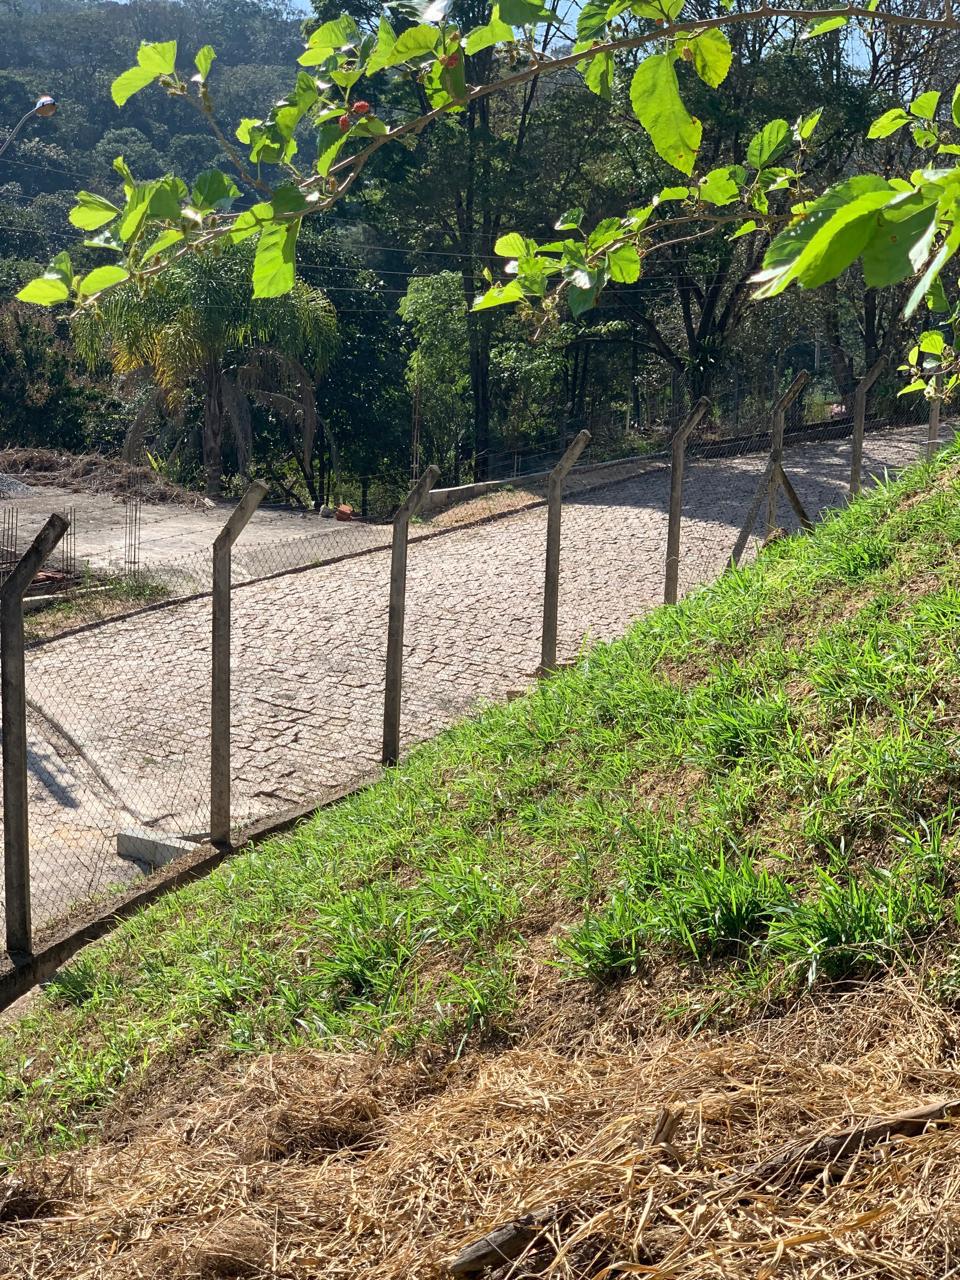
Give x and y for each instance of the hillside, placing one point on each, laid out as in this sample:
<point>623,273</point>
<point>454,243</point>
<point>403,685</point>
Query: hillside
<point>605,955</point>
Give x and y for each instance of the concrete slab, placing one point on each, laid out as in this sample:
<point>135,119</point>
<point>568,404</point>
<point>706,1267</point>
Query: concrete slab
<point>151,847</point>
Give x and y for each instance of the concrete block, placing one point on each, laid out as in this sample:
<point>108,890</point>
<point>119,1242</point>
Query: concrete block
<point>155,848</point>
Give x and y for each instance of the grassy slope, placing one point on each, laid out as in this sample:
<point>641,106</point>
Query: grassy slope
<point>747,794</point>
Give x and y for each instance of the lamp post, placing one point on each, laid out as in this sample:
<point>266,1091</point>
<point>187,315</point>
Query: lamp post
<point>44,106</point>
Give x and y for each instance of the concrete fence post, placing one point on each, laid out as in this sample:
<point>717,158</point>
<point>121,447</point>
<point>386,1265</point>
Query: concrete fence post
<point>678,446</point>
<point>220,664</point>
<point>551,579</point>
<point>13,710</point>
<point>933,424</point>
<point>393,687</point>
<point>859,421</point>
<point>780,408</point>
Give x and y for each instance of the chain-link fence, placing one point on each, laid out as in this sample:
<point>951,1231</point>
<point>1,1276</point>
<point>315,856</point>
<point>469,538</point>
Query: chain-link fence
<point>118,710</point>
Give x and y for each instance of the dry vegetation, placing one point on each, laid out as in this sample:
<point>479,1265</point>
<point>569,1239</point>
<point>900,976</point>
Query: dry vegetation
<point>634,1150</point>
<point>92,473</point>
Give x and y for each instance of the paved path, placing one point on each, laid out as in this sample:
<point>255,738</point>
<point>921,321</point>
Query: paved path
<point>120,712</point>
<point>175,541</point>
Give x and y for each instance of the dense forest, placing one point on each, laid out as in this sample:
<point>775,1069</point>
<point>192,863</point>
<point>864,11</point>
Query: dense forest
<point>375,365</point>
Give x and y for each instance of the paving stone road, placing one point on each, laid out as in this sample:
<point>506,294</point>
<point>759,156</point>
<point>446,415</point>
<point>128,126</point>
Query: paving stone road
<point>119,713</point>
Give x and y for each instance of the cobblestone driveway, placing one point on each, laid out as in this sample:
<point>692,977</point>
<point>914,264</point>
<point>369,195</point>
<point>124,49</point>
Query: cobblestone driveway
<point>119,713</point>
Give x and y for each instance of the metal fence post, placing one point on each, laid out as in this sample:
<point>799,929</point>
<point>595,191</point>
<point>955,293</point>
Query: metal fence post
<point>776,443</point>
<point>933,424</point>
<point>13,710</point>
<point>220,664</point>
<point>859,421</point>
<point>671,572</point>
<point>393,689</point>
<point>551,579</point>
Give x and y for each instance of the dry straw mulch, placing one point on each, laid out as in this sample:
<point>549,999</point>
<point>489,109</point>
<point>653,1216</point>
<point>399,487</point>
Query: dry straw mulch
<point>639,1147</point>
<point>93,473</point>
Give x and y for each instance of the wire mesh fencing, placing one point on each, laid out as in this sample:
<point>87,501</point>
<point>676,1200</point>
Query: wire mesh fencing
<point>119,715</point>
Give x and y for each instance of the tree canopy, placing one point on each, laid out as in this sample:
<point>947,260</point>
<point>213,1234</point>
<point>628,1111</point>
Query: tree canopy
<point>624,177</point>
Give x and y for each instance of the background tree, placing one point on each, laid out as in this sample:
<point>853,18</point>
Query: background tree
<point>198,328</point>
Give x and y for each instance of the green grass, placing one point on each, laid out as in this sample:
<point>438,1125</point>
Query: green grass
<point>747,795</point>
<point>92,599</point>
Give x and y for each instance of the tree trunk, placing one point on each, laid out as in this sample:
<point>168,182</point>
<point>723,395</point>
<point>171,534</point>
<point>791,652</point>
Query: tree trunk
<point>321,470</point>
<point>635,409</point>
<point>213,418</point>
<point>479,332</point>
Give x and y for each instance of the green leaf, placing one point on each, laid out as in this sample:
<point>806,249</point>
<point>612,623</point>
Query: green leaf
<point>511,245</point>
<point>251,221</point>
<point>153,61</point>
<point>204,61</point>
<point>334,35</point>
<point>164,202</point>
<point>712,56</point>
<point>925,106</point>
<point>45,290</point>
<point>932,342</point>
<point>214,190</point>
<point>495,32</point>
<point>163,241</point>
<point>101,278</point>
<point>160,59</point>
<point>744,229</point>
<point>655,96</point>
<point>592,21</point>
<point>659,10</point>
<point>829,236</point>
<point>569,221</point>
<point>955,106</point>
<point>937,299</point>
<point>931,276</point>
<point>498,295</point>
<point>722,186</point>
<point>380,58</point>
<point>805,126</point>
<point>414,43</point>
<point>888,123</point>
<point>522,13</point>
<point>106,238</point>
<point>53,286</point>
<point>623,264</point>
<point>821,28</point>
<point>315,57</point>
<point>137,207</point>
<point>129,83</point>
<point>330,139</point>
<point>369,127</point>
<point>899,246</point>
<point>582,299</point>
<point>770,142</point>
<point>92,211</point>
<point>671,193</point>
<point>597,75</point>
<point>274,264</point>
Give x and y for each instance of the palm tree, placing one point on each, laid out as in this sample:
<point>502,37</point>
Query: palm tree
<point>196,327</point>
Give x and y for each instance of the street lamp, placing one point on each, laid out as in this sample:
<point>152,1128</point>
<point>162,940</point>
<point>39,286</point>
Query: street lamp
<point>44,106</point>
